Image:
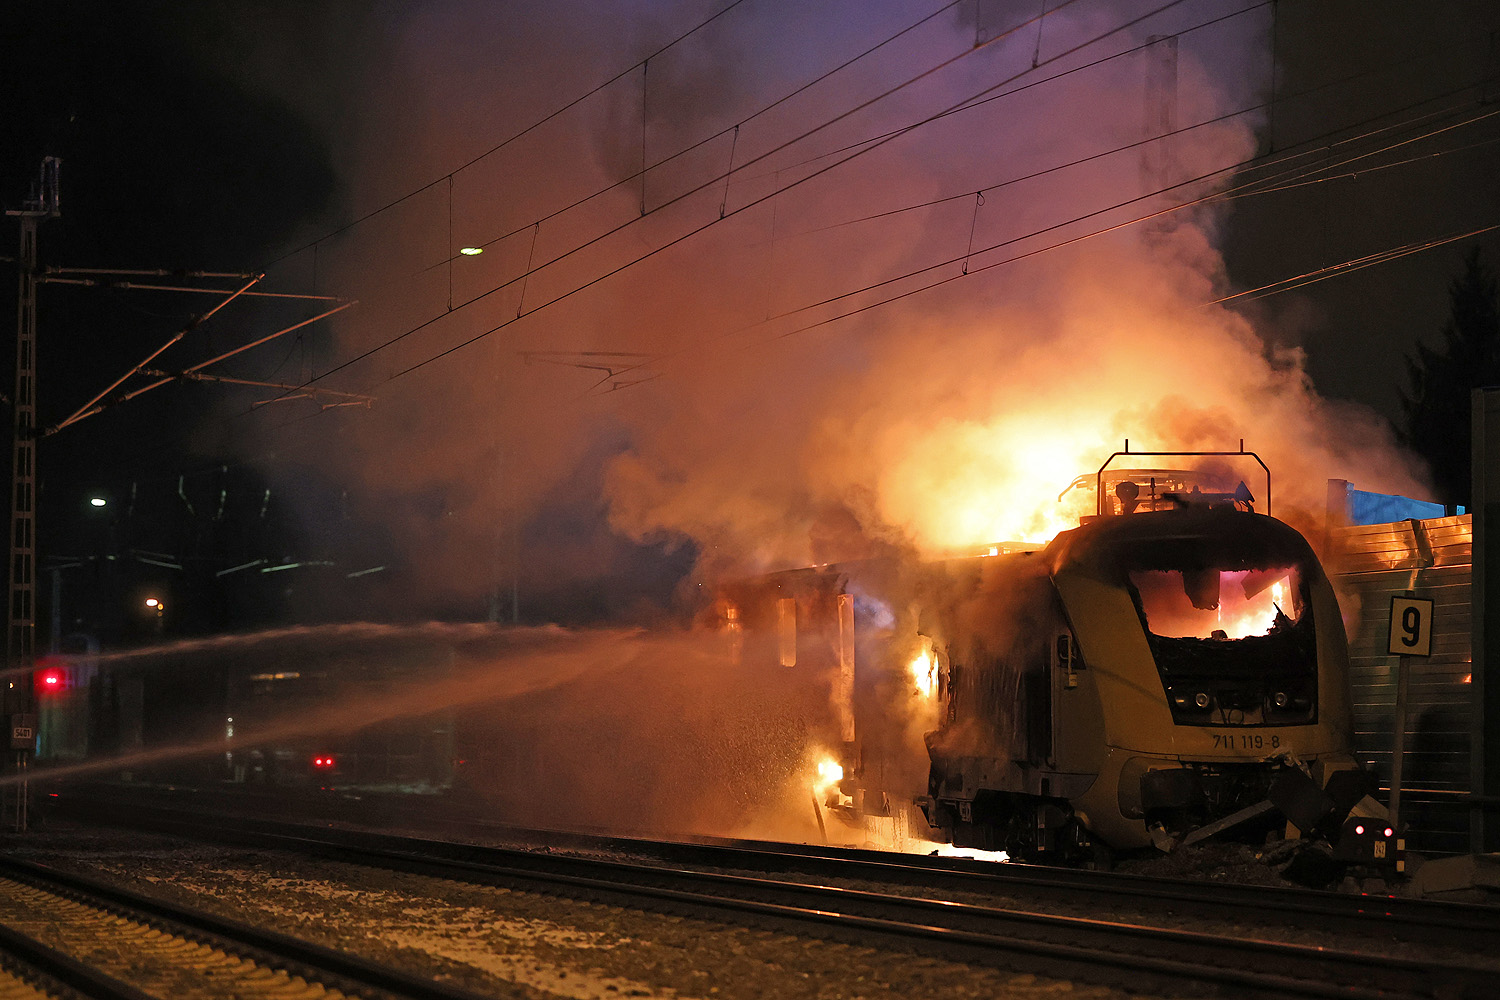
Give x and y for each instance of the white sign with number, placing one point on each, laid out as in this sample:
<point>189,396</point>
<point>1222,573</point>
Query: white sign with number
<point>1411,626</point>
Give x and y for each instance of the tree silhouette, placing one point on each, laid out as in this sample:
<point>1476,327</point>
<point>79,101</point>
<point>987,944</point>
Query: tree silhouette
<point>1468,355</point>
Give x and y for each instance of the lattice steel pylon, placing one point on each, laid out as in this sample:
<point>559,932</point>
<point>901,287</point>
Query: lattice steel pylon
<point>21,626</point>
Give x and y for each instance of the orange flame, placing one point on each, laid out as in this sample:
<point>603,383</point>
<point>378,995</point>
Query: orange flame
<point>923,668</point>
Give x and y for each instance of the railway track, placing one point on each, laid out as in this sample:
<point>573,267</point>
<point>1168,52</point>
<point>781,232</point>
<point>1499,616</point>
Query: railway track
<point>64,935</point>
<point>1460,926</point>
<point>1112,952</point>
<point>31,970</point>
<point>1379,918</point>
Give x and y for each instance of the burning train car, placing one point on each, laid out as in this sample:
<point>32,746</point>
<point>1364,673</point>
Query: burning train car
<point>1173,667</point>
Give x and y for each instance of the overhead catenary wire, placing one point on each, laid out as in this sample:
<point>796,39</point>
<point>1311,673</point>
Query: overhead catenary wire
<point>503,143</point>
<point>1285,155</point>
<point>733,131</point>
<point>344,397</point>
<point>1272,288</point>
<point>1348,266</point>
<point>1288,284</point>
<point>261,458</point>
<point>691,233</point>
<point>159,272</point>
<point>1356,174</point>
<point>535,226</point>
<point>1182,130</point>
<point>1248,189</point>
<point>739,209</point>
<point>1250,161</point>
<point>1243,190</point>
<point>136,286</point>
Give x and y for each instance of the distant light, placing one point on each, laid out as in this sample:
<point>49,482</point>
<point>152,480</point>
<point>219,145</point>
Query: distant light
<point>471,251</point>
<point>97,501</point>
<point>152,602</point>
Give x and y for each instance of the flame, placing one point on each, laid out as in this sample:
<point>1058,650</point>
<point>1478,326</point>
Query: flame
<point>924,671</point>
<point>1169,611</point>
<point>949,851</point>
<point>829,773</point>
<point>963,484</point>
<point>936,849</point>
<point>1257,615</point>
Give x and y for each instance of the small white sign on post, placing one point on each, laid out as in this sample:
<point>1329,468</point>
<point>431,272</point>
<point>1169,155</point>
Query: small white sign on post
<point>1411,626</point>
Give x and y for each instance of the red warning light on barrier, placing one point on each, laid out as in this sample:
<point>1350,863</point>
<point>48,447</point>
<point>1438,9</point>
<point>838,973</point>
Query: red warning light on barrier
<point>324,762</point>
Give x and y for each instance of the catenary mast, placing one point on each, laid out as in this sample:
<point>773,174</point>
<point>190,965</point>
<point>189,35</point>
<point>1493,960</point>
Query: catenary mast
<point>21,613</point>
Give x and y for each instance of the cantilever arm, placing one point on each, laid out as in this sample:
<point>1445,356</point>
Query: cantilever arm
<point>91,407</point>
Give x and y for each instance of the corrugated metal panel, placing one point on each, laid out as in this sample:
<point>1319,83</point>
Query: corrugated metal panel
<point>1370,565</point>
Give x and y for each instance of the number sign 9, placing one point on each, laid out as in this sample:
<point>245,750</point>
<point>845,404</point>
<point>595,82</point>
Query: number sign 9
<point>1411,626</point>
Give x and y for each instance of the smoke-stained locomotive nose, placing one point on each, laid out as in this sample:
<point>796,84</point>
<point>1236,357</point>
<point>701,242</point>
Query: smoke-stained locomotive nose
<point>1205,686</point>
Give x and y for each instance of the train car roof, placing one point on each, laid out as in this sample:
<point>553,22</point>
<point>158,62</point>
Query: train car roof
<point>1179,539</point>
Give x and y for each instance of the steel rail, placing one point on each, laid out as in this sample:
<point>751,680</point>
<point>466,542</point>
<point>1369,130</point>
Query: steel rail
<point>1387,918</point>
<point>1073,947</point>
<point>1402,918</point>
<point>53,972</point>
<point>1397,917</point>
<point>270,949</point>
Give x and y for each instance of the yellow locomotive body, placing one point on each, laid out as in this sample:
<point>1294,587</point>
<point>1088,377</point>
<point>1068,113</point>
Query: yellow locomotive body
<point>1139,678</point>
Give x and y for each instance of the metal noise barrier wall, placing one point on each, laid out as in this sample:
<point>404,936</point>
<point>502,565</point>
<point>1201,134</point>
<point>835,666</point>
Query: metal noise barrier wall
<point>1370,564</point>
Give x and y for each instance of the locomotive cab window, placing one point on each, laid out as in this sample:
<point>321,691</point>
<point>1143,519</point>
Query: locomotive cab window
<point>1219,604</point>
<point>1232,633</point>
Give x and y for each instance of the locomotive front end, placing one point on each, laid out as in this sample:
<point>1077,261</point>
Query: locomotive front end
<point>1217,676</point>
<point>1173,668</point>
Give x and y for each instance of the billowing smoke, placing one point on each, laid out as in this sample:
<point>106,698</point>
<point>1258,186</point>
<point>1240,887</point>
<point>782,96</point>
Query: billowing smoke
<point>740,425</point>
<point>956,416</point>
<point>888,329</point>
<point>697,396</point>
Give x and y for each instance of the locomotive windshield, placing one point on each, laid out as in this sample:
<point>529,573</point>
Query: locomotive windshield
<point>1223,604</point>
<point>1230,626</point>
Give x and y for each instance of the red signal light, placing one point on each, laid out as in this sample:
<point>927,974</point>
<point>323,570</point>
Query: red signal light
<point>51,679</point>
<point>324,762</point>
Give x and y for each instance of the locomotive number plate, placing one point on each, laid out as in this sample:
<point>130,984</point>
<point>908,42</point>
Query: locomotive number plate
<point>1246,741</point>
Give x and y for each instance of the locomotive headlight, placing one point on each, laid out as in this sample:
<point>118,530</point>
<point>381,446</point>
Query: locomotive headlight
<point>1201,699</point>
<point>1280,699</point>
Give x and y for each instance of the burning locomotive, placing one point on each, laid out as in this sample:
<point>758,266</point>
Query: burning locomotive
<point>1173,667</point>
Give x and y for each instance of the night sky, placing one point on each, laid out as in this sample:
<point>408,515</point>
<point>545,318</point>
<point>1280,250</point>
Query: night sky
<point>233,136</point>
